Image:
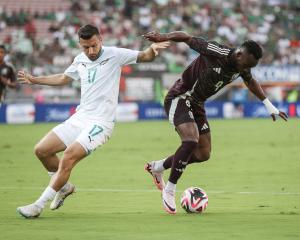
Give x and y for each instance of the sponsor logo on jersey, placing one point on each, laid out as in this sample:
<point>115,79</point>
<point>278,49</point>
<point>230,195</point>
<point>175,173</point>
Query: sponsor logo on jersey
<point>217,70</point>
<point>90,138</point>
<point>204,127</point>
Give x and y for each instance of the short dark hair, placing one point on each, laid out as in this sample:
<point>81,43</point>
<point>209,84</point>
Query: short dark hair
<point>87,31</point>
<point>3,47</point>
<point>253,48</point>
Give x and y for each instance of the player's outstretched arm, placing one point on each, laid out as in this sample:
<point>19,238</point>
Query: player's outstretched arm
<point>177,36</point>
<point>256,89</point>
<point>151,52</point>
<point>51,80</point>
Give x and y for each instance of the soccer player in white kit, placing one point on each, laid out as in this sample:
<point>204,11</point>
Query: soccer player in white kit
<point>98,68</point>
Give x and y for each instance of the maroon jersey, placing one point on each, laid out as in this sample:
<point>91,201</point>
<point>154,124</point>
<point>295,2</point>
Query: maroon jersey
<point>6,71</point>
<point>208,73</point>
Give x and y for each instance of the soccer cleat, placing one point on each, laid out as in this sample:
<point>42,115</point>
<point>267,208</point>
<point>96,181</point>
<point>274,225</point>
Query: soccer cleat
<point>30,211</point>
<point>157,176</point>
<point>61,195</point>
<point>168,199</point>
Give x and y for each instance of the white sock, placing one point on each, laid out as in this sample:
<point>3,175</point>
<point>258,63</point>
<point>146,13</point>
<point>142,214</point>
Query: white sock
<point>158,166</point>
<point>64,187</point>
<point>46,196</point>
<point>170,187</point>
<point>51,174</point>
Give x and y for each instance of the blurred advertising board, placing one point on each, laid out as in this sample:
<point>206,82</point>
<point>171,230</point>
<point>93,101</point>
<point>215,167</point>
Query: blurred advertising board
<point>54,112</point>
<point>151,111</point>
<point>132,111</point>
<point>20,113</point>
<point>127,112</point>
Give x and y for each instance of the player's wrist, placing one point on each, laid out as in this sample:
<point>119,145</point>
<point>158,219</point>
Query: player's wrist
<point>32,79</point>
<point>153,50</point>
<point>270,107</point>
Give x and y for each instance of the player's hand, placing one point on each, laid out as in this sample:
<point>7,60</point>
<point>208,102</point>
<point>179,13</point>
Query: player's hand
<point>156,47</point>
<point>25,77</point>
<point>155,37</point>
<point>281,114</point>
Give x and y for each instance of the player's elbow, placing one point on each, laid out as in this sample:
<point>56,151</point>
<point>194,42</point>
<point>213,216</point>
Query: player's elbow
<point>64,79</point>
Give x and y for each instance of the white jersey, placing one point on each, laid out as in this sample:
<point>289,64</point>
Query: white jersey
<point>99,81</point>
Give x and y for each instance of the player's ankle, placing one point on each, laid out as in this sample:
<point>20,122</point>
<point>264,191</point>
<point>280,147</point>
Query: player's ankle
<point>170,187</point>
<point>158,166</point>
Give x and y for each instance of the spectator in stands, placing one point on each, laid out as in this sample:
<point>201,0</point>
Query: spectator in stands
<point>7,74</point>
<point>274,24</point>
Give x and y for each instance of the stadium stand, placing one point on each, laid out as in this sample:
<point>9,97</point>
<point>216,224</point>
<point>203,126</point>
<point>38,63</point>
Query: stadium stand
<point>42,36</point>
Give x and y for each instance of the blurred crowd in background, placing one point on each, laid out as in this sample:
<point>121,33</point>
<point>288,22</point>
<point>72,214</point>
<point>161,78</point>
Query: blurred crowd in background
<point>41,35</point>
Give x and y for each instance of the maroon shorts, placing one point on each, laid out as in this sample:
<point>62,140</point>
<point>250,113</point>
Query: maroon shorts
<point>181,110</point>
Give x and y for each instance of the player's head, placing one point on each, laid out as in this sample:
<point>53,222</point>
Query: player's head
<point>248,55</point>
<point>2,52</point>
<point>90,41</point>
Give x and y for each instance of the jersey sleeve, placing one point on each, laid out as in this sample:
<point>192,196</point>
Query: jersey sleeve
<point>209,48</point>
<point>246,75</point>
<point>72,71</point>
<point>127,56</point>
<point>8,72</point>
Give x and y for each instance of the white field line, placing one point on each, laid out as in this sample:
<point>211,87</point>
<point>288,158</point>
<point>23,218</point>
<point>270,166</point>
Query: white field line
<point>2,188</point>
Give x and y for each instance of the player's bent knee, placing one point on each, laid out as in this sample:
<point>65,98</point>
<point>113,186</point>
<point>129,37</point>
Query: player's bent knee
<point>201,156</point>
<point>40,152</point>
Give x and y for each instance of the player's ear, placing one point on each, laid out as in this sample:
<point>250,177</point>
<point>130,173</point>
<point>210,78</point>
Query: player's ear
<point>239,53</point>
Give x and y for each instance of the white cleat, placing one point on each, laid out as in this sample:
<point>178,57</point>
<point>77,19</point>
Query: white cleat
<point>157,176</point>
<point>61,195</point>
<point>168,199</point>
<point>30,211</point>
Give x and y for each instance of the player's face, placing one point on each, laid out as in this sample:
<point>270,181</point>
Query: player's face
<point>91,47</point>
<point>2,54</point>
<point>244,60</point>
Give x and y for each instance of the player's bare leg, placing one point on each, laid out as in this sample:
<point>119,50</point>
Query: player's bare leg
<point>203,149</point>
<point>46,150</point>
<point>200,154</point>
<point>72,155</point>
<point>189,135</point>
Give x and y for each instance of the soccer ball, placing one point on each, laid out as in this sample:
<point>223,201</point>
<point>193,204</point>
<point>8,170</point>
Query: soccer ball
<point>194,200</point>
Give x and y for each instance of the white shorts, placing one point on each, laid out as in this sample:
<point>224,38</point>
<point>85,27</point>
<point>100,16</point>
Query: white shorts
<point>90,134</point>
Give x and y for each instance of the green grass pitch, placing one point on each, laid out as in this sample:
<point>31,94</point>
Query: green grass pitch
<point>252,180</point>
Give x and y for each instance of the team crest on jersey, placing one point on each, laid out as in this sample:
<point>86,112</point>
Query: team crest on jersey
<point>104,61</point>
<point>188,103</point>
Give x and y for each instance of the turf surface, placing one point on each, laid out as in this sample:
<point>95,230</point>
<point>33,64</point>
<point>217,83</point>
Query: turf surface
<point>252,180</point>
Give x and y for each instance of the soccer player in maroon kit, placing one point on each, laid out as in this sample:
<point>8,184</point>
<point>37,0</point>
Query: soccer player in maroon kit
<point>215,67</point>
<point>7,75</point>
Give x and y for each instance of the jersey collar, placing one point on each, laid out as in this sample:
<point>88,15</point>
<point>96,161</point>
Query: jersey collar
<point>101,53</point>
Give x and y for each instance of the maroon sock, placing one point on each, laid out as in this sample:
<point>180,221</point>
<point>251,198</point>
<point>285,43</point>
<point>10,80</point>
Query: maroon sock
<point>168,162</point>
<point>180,160</point>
